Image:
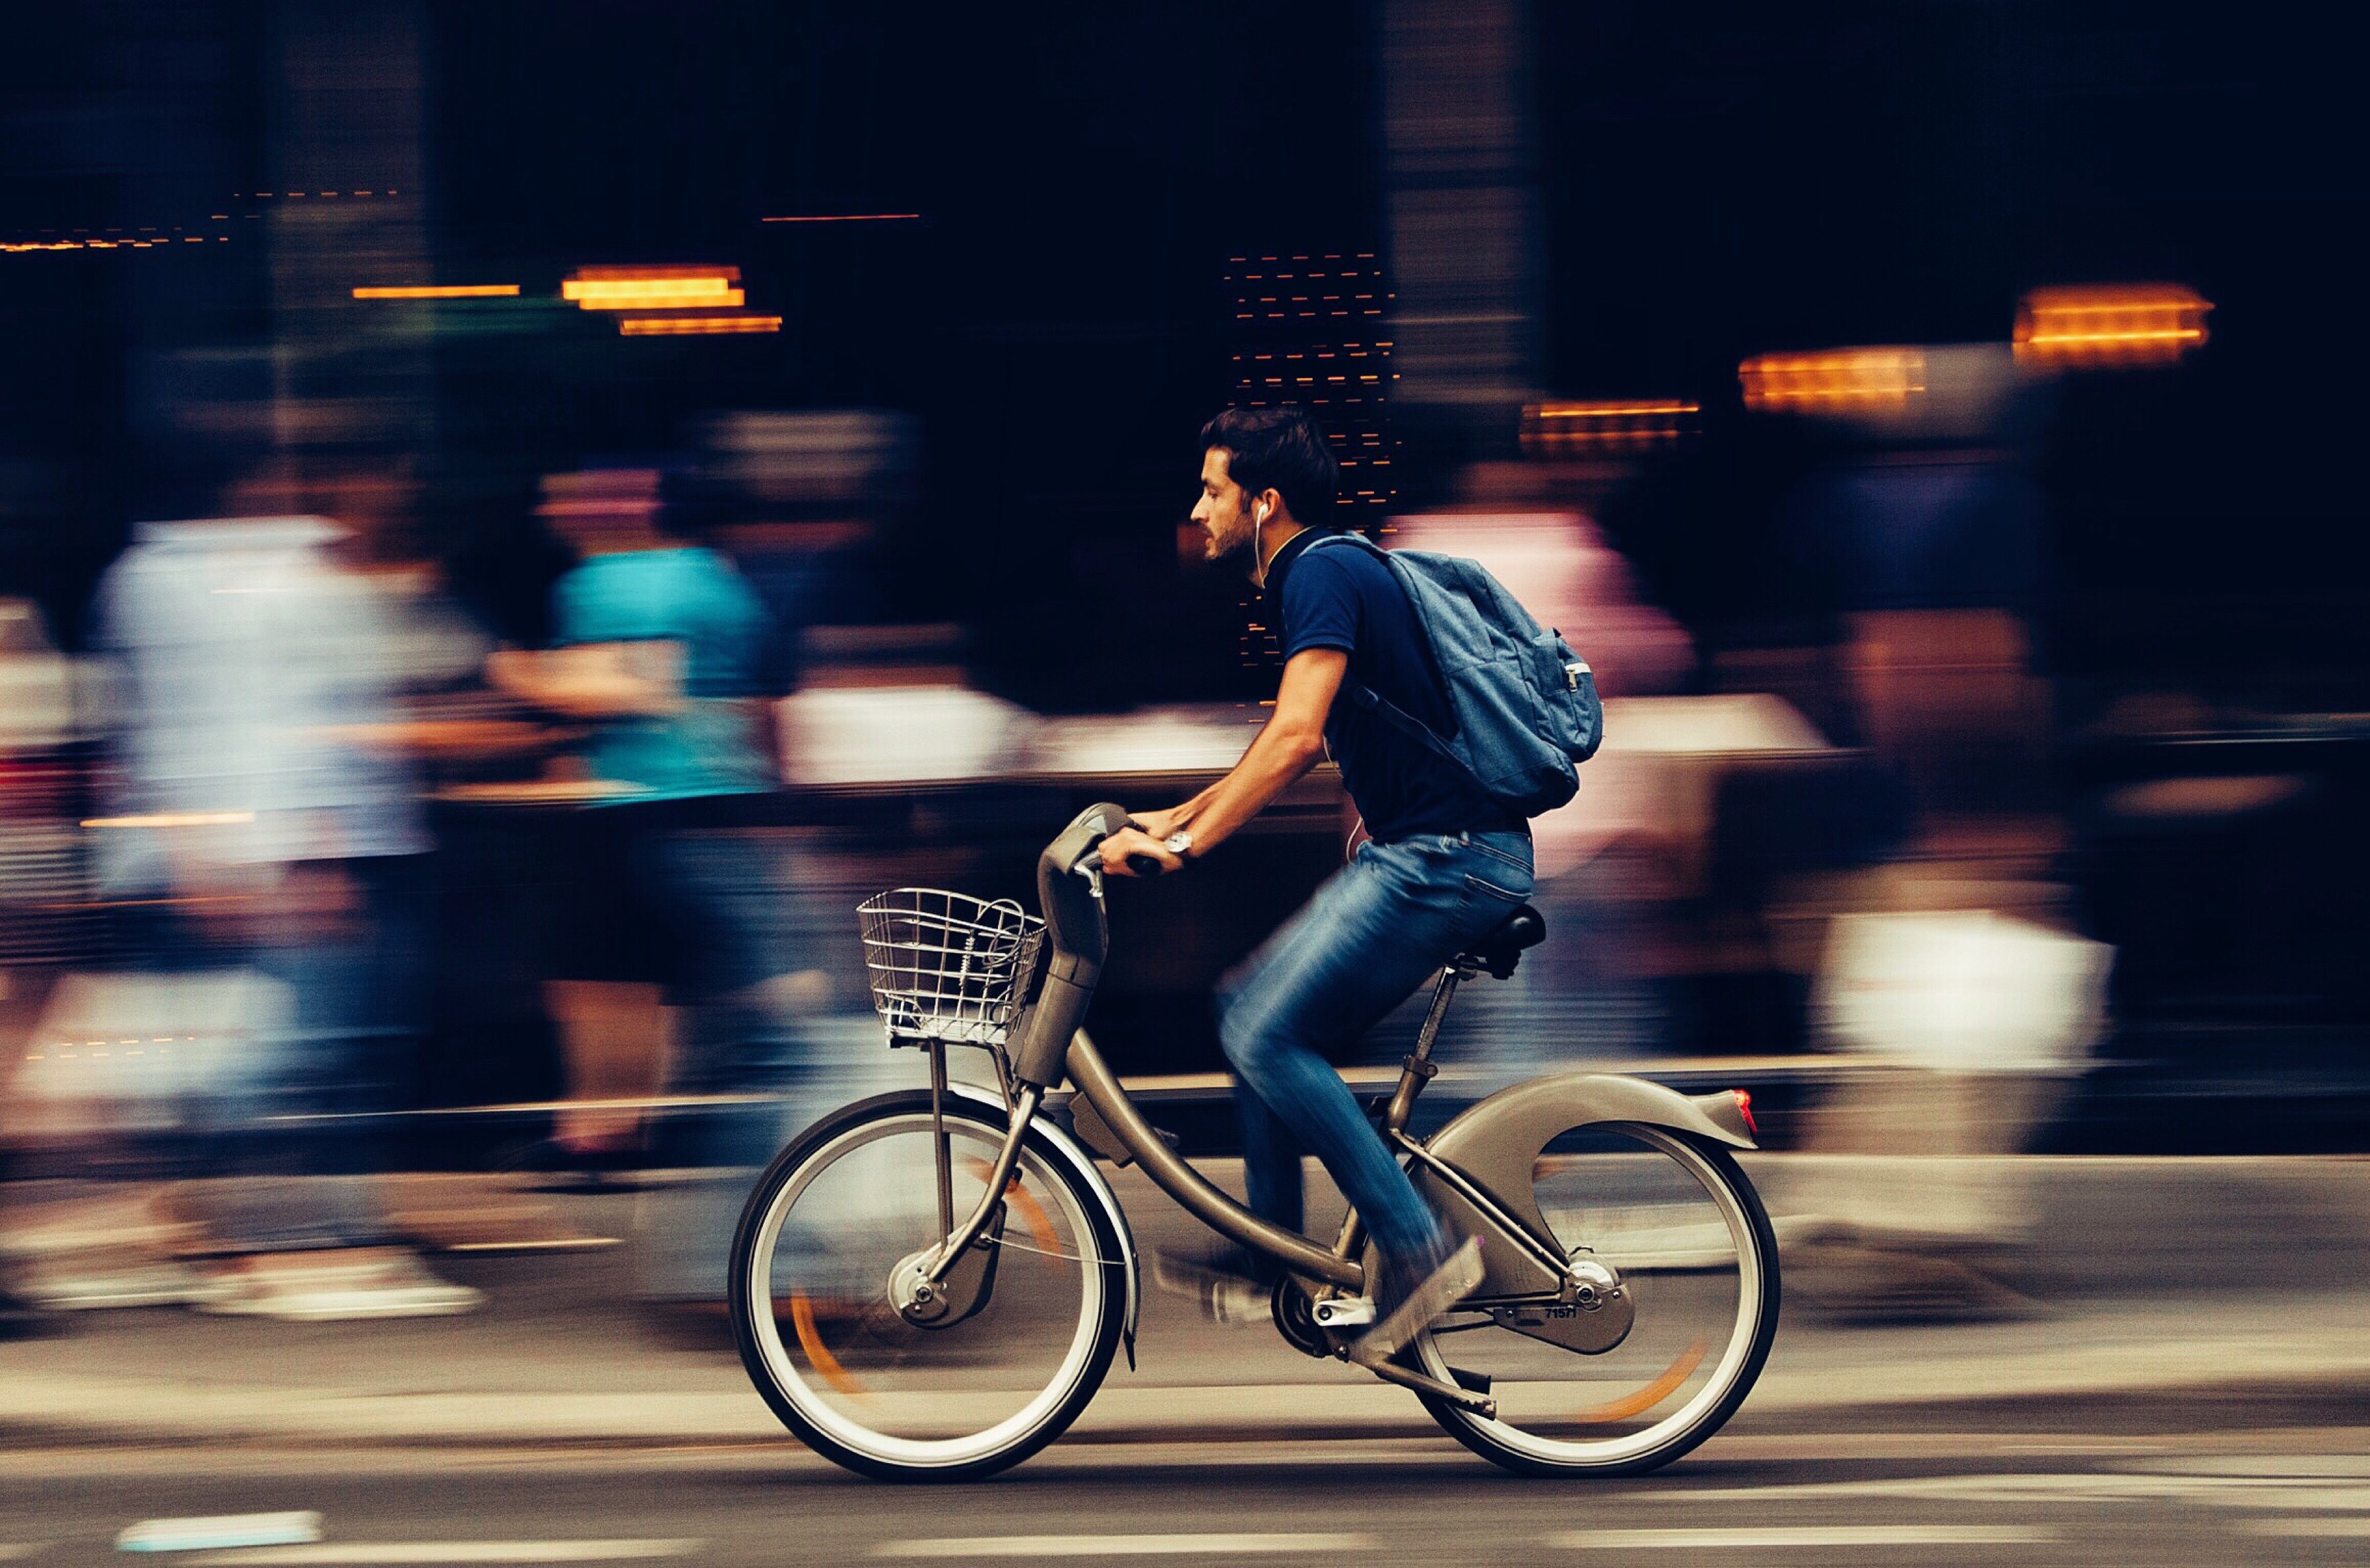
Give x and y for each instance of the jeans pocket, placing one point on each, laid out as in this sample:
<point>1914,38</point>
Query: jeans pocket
<point>1489,889</point>
<point>1500,856</point>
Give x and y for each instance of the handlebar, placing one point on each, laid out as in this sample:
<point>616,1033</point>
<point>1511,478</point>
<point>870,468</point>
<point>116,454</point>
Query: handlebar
<point>1077,937</point>
<point>1091,865</point>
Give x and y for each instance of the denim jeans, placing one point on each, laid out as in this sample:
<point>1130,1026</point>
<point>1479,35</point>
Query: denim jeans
<point>1374,933</point>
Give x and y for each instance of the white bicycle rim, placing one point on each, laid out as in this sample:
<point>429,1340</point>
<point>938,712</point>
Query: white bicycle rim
<point>884,1447</point>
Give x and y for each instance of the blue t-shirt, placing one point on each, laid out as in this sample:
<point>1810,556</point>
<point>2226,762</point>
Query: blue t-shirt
<point>1345,597</point>
<point>693,597</point>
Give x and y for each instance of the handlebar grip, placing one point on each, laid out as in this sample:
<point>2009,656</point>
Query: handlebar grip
<point>1143,865</point>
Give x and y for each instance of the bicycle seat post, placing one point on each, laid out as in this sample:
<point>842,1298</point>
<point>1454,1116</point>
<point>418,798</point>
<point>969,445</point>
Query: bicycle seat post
<point>1418,1069</point>
<point>1415,1071</point>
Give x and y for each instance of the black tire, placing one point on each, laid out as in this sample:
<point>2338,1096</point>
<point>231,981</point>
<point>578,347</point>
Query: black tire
<point>1046,1159</point>
<point>1760,1255</point>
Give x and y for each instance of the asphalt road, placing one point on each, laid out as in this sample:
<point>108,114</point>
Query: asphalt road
<point>2294,1488</point>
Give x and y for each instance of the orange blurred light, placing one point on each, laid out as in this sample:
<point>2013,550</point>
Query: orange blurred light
<point>173,819</point>
<point>1833,380</point>
<point>1565,427</point>
<point>658,299</point>
<point>442,291</point>
<point>2121,324</point>
<point>651,288</point>
<point>685,326</point>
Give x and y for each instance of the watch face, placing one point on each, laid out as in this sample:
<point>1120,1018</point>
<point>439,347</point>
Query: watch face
<point>1177,843</point>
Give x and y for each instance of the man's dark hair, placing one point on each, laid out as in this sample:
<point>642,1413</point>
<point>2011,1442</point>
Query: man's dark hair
<point>1279,449</point>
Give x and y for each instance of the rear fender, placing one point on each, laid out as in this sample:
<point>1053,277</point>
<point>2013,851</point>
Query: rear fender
<point>1497,1143</point>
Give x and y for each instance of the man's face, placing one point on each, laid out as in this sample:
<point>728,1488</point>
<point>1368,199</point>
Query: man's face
<point>1224,510</point>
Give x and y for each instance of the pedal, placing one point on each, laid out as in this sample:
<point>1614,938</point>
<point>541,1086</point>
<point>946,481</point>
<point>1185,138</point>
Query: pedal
<point>1344,1312</point>
<point>1481,1405</point>
<point>1471,1382</point>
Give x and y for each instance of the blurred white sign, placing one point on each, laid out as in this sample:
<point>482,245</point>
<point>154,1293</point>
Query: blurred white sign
<point>1962,992</point>
<point>900,735</point>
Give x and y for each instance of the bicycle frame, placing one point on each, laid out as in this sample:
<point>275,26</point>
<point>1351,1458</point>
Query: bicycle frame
<point>1117,1130</point>
<point>1114,1128</point>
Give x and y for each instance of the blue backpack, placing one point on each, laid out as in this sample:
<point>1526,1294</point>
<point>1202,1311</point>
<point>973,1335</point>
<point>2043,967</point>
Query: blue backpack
<point>1525,705</point>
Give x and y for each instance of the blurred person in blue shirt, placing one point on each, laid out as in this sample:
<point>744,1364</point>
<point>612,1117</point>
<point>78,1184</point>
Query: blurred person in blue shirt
<point>667,652</point>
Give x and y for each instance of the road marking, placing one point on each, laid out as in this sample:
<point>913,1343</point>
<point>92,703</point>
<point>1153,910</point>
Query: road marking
<point>403,1551</point>
<point>1120,1545</point>
<point>2104,1486</point>
<point>1757,1536</point>
<point>2329,1527</point>
<point>213,1530</point>
<point>10,1551</point>
<point>2295,1494</point>
<point>2332,1466</point>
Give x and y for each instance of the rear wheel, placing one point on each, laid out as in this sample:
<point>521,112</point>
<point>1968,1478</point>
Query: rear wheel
<point>1688,1236</point>
<point>831,1220</point>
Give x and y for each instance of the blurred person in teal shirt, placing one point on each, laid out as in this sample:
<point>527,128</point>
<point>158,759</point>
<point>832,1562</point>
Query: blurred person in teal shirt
<point>702,640</point>
<point>666,653</point>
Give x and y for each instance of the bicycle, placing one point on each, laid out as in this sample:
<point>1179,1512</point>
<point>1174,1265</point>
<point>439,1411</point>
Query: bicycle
<point>949,1236</point>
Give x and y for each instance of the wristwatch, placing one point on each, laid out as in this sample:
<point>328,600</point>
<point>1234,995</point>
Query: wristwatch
<point>1179,843</point>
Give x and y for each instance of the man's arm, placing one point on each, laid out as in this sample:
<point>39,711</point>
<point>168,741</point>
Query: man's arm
<point>594,680</point>
<point>1290,745</point>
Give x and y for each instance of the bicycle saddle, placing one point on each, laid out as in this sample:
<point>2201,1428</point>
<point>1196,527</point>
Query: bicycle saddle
<point>1502,949</point>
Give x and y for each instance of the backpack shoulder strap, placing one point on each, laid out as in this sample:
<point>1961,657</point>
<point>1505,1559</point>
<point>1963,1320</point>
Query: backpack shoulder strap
<point>1366,696</point>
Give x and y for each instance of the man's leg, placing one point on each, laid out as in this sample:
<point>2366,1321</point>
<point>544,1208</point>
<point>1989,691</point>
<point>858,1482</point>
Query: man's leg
<point>1369,937</point>
<point>1272,1156</point>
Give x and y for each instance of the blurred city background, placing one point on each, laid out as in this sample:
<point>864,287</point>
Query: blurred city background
<point>515,517</point>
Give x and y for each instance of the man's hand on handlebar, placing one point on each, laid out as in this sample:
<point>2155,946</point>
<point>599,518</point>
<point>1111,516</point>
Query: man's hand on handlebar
<point>1126,851</point>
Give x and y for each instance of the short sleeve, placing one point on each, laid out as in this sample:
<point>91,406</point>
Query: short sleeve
<point>1320,604</point>
<point>572,611</point>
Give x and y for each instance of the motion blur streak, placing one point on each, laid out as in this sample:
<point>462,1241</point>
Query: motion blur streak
<point>682,326</point>
<point>1833,378</point>
<point>1553,428</point>
<point>442,291</point>
<point>2111,324</point>
<point>646,288</point>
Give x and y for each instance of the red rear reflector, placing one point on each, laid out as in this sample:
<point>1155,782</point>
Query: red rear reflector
<point>1744,1109</point>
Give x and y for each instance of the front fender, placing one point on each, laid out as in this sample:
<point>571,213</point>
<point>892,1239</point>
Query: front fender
<point>1082,1167</point>
<point>1497,1142</point>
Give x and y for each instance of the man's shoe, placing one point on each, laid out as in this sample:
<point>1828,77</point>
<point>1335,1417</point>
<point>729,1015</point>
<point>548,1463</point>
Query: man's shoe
<point>1413,1299</point>
<point>1228,1295</point>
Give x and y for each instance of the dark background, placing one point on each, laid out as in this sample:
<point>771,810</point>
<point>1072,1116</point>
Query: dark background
<point>1717,179</point>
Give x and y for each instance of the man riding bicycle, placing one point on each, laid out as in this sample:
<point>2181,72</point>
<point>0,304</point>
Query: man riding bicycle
<point>1443,864</point>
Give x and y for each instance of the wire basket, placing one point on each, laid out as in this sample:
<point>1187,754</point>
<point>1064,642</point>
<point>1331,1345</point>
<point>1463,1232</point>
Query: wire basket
<point>946,966</point>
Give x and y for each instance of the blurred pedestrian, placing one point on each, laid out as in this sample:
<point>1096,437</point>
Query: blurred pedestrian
<point>662,647</point>
<point>259,825</point>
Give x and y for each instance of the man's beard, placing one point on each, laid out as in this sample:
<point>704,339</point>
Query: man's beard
<point>1245,544</point>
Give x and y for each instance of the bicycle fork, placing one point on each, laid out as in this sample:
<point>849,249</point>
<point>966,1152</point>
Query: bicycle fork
<point>940,1286</point>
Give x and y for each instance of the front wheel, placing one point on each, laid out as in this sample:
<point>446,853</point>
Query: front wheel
<point>829,1223</point>
<point>1688,1236</point>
